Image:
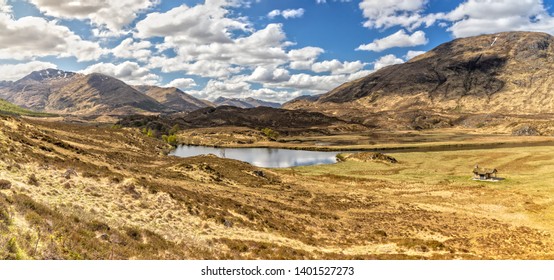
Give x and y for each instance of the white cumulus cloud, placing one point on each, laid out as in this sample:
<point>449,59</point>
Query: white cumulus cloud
<point>110,15</point>
<point>388,13</point>
<point>411,54</point>
<point>474,17</point>
<point>336,67</point>
<point>182,83</point>
<point>386,60</point>
<point>398,39</point>
<point>128,71</point>
<point>30,37</point>
<point>128,48</point>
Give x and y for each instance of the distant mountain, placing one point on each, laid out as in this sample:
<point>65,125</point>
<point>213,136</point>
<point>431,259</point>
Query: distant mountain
<point>174,98</point>
<point>98,94</point>
<point>244,102</point>
<point>503,73</point>
<point>57,91</point>
<point>33,90</point>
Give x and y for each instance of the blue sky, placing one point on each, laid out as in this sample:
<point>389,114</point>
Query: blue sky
<point>268,49</point>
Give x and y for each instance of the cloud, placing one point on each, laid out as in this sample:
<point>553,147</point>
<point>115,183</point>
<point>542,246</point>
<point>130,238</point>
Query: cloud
<point>289,13</point>
<point>304,58</point>
<point>4,7</point>
<point>13,72</point>
<point>388,13</point>
<point>325,1</point>
<point>359,74</point>
<point>110,15</point>
<point>269,75</point>
<point>128,48</point>
<point>475,17</point>
<point>202,24</point>
<point>336,67</point>
<point>314,83</point>
<point>386,60</point>
<point>182,83</point>
<point>30,37</point>
<point>398,39</point>
<point>208,42</point>
<point>129,72</point>
<point>412,54</point>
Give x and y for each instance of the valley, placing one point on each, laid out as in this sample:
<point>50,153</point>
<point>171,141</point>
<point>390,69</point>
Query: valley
<point>86,170</point>
<point>101,192</point>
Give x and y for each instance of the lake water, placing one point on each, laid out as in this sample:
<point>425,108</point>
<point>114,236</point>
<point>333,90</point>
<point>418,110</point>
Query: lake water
<point>262,157</point>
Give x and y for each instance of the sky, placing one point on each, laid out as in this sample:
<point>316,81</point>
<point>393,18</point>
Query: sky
<point>273,50</point>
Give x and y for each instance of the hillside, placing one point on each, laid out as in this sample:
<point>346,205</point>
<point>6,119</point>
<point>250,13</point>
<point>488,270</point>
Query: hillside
<point>465,76</point>
<point>6,108</point>
<point>288,122</point>
<point>33,91</point>
<point>174,98</point>
<point>245,102</point>
<point>60,92</point>
<point>70,191</point>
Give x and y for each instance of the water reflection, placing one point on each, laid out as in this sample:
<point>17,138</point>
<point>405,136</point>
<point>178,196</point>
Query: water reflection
<point>262,157</point>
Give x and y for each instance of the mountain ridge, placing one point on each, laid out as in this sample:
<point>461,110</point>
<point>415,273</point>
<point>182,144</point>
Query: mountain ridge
<point>244,103</point>
<point>465,76</point>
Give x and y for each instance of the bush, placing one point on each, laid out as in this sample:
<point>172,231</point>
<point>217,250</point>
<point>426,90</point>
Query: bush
<point>5,184</point>
<point>170,139</point>
<point>174,129</point>
<point>270,133</point>
<point>32,180</point>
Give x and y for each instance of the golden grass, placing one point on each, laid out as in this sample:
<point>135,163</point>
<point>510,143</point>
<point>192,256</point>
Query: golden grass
<point>161,207</point>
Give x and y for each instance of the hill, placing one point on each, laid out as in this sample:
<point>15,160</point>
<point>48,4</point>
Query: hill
<point>6,108</point>
<point>499,73</point>
<point>57,91</point>
<point>33,91</point>
<point>174,98</point>
<point>287,122</point>
<point>245,102</point>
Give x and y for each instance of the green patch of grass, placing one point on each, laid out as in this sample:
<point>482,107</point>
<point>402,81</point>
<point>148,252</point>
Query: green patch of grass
<point>7,108</point>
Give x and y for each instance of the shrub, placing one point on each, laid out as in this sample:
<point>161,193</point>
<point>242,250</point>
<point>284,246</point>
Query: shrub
<point>5,184</point>
<point>170,139</point>
<point>174,129</point>
<point>32,180</point>
<point>270,133</point>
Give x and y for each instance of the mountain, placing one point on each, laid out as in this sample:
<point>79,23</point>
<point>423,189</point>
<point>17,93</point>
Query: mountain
<point>98,94</point>
<point>244,102</point>
<point>174,98</point>
<point>33,90</point>
<point>61,92</point>
<point>503,73</point>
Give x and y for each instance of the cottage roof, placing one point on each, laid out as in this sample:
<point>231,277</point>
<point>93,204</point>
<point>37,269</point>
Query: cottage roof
<point>484,171</point>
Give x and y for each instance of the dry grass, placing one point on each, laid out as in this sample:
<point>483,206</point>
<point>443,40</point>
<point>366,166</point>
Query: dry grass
<point>124,199</point>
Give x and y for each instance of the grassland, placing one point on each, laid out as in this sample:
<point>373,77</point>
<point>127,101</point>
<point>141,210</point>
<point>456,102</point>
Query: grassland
<point>84,191</point>
<point>7,108</point>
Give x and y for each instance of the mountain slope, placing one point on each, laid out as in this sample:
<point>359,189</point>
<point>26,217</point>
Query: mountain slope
<point>244,102</point>
<point>174,98</point>
<point>6,108</point>
<point>507,72</point>
<point>97,94</point>
<point>61,92</point>
<point>33,90</point>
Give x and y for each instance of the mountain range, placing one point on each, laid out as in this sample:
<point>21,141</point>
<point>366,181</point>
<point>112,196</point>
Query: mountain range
<point>244,103</point>
<point>503,73</point>
<point>62,92</point>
